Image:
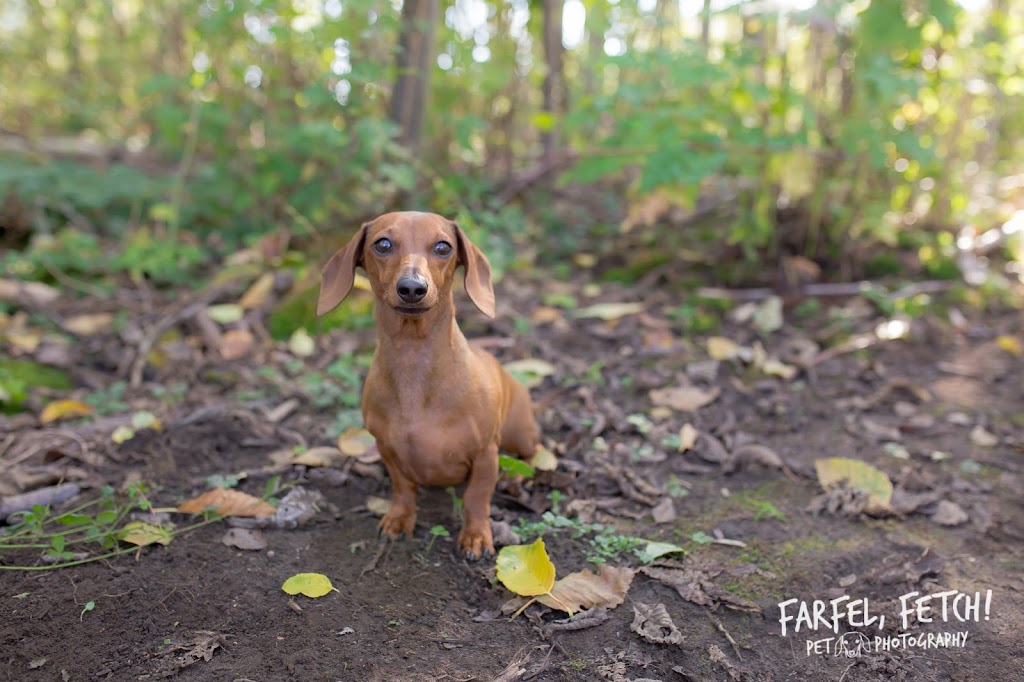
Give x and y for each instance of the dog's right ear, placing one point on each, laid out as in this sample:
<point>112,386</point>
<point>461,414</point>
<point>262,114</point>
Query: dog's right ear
<point>340,273</point>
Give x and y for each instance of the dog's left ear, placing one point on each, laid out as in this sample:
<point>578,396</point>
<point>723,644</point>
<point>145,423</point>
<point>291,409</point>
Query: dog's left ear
<point>478,273</point>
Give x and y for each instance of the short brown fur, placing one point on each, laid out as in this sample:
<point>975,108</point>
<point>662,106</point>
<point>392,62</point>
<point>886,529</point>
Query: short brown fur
<point>438,407</point>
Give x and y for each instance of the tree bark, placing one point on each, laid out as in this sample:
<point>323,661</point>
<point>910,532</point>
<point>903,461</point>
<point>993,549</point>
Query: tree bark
<point>554,83</point>
<point>415,62</point>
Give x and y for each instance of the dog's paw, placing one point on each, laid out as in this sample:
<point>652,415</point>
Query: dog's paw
<point>396,524</point>
<point>476,543</point>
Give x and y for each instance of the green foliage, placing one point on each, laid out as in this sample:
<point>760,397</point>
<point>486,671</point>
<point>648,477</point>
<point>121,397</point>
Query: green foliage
<point>513,466</point>
<point>605,543</point>
<point>18,377</point>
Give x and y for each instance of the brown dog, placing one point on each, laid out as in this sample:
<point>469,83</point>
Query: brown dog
<point>438,407</point>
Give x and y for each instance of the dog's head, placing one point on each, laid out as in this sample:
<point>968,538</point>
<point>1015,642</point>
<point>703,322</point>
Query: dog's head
<point>410,259</point>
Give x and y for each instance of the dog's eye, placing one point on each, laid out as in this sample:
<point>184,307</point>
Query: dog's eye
<point>383,246</point>
<point>443,249</point>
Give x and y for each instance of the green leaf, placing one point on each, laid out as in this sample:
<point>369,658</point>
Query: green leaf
<point>514,466</point>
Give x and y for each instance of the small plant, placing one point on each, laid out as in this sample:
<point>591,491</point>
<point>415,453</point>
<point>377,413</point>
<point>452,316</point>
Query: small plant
<point>436,532</point>
<point>458,506</point>
<point>556,498</point>
<point>109,400</point>
<point>514,466</point>
<point>605,543</point>
<point>89,606</point>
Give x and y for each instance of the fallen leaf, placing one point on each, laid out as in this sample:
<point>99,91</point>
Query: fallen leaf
<point>236,343</point>
<point>654,624</point>
<point>610,311</point>
<point>87,325</point>
<point>301,344</point>
<point>321,456</point>
<point>248,539</point>
<point>664,511</point>
<point>35,294</point>
<point>526,569</point>
<point>228,502</point>
<point>225,313</point>
<point>768,316</point>
<point>378,506</point>
<point>897,450</point>
<point>141,533</point>
<point>543,314</point>
<point>1011,344</point>
<point>654,550</point>
<point>122,433</point>
<point>753,453</point>
<point>312,585</point>
<point>776,368</point>
<point>258,293</point>
<point>721,348</point>
<point>684,398</point>
<point>836,471</point>
<point>530,372</point>
<point>688,435</point>
<point>983,438</point>
<point>544,459</point>
<point>584,589</point>
<point>949,514</point>
<point>144,419</point>
<point>64,409</point>
<point>355,441</point>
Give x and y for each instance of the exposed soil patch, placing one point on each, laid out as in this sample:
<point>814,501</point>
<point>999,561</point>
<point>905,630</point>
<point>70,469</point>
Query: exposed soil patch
<point>200,610</point>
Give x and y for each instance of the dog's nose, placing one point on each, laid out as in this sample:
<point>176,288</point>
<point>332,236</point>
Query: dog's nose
<point>412,289</point>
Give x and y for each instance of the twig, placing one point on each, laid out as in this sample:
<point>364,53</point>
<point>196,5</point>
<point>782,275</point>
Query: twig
<point>372,563</point>
<point>725,633</point>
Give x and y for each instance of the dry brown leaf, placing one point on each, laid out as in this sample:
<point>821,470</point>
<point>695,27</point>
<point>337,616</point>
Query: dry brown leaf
<point>34,294</point>
<point>949,514</point>
<point>378,506</point>
<point>684,398</point>
<point>688,435</point>
<point>753,453</point>
<point>321,456</point>
<point>664,511</point>
<point>87,325</point>
<point>584,590</point>
<point>227,502</point>
<point>236,343</point>
<point>249,539</point>
<point>355,442</point>
<point>654,624</point>
<point>610,311</point>
<point>721,348</point>
<point>258,293</point>
<point>546,315</point>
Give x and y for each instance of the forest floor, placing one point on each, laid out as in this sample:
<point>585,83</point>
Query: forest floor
<point>939,411</point>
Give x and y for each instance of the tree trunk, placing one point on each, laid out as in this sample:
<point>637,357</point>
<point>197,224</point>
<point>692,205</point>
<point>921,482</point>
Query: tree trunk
<point>415,62</point>
<point>705,25</point>
<point>554,87</point>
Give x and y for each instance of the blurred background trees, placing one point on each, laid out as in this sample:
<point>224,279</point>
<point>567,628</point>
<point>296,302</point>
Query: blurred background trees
<point>760,138</point>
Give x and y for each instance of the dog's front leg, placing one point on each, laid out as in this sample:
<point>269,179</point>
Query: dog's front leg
<point>401,518</point>
<point>475,540</point>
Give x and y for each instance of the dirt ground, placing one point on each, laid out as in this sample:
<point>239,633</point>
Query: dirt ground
<point>941,412</point>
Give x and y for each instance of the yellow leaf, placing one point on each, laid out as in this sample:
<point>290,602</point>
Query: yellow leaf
<point>776,368</point>
<point>530,372</point>
<point>859,475</point>
<point>301,344</point>
<point>526,569</point>
<point>684,398</point>
<point>721,348</point>
<point>225,313</point>
<point>144,419</point>
<point>227,502</point>
<point>312,585</point>
<point>610,311</point>
<point>378,506</point>
<point>141,533</point>
<point>258,293</point>
<point>64,409</point>
<point>322,456</point>
<point>1011,344</point>
<point>544,459</point>
<point>355,442</point>
<point>122,433</point>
